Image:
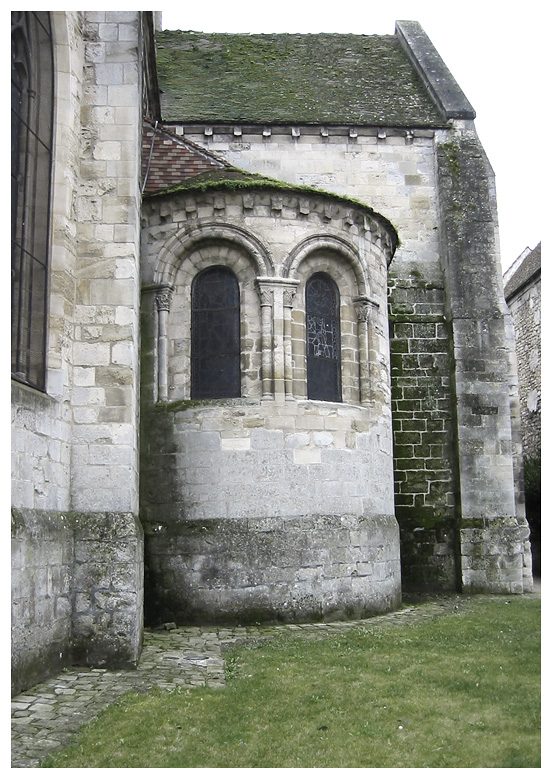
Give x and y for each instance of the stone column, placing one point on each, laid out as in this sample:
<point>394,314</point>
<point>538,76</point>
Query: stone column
<point>364,308</point>
<point>163,302</point>
<point>278,342</point>
<point>267,371</point>
<point>289,295</point>
<point>276,301</point>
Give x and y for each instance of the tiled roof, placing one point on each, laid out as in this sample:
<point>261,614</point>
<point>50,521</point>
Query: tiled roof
<point>528,269</point>
<point>290,78</point>
<point>167,160</point>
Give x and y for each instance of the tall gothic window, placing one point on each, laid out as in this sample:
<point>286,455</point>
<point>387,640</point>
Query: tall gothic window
<point>323,339</point>
<point>216,335</point>
<point>31,158</point>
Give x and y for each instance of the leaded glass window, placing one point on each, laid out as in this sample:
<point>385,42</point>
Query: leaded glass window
<point>323,339</point>
<point>216,335</point>
<point>31,158</point>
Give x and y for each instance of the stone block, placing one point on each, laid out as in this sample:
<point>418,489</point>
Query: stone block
<point>91,354</point>
<point>235,444</point>
<point>271,440</point>
<point>306,456</point>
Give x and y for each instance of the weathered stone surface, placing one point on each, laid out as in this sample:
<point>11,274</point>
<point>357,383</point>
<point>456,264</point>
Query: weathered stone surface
<point>77,592</point>
<point>281,569</point>
<point>42,579</point>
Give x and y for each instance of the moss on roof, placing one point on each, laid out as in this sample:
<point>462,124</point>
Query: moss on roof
<point>290,78</point>
<point>235,179</point>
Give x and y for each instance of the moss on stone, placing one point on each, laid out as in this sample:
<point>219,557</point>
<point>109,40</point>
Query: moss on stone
<point>451,152</point>
<point>233,180</point>
<point>173,406</point>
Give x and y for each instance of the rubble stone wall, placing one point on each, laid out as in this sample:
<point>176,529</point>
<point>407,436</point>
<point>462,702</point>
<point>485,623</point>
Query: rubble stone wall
<point>526,314</point>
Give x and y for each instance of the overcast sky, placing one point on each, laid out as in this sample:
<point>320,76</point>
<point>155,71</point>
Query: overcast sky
<point>495,53</point>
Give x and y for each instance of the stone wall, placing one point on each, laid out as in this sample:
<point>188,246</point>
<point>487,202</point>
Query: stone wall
<point>423,428</point>
<point>318,567</point>
<point>249,508</point>
<point>271,505</point>
<point>107,591</point>
<point>77,592</point>
<point>74,447</point>
<point>523,296</point>
<point>104,396</point>
<point>450,339</point>
<point>41,589</point>
<point>247,458</point>
<point>526,314</point>
<point>390,170</point>
<point>394,172</point>
<point>42,538</point>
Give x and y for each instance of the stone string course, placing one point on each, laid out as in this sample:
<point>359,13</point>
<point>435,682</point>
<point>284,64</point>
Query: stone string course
<point>48,716</point>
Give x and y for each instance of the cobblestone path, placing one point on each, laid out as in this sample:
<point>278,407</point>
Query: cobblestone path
<point>48,715</point>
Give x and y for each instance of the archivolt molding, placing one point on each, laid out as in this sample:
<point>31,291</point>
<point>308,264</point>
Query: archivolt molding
<point>335,245</point>
<point>183,243</point>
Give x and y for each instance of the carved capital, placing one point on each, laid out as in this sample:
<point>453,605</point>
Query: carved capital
<point>163,300</point>
<point>268,285</point>
<point>289,295</point>
<point>364,307</point>
<point>267,296</point>
<point>362,311</point>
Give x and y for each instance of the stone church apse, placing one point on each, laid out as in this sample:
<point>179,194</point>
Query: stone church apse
<point>267,471</point>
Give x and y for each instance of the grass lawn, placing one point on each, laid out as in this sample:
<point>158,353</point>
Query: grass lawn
<point>460,691</point>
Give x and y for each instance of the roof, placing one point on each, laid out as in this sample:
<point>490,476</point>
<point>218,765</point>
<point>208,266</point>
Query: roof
<point>291,79</point>
<point>527,271</point>
<point>167,159</point>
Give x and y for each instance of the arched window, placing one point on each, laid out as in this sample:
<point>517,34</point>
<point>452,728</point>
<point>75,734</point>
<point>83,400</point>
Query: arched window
<point>323,339</point>
<point>31,149</point>
<point>216,335</point>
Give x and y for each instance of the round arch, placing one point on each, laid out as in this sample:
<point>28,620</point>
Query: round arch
<point>183,243</point>
<point>336,246</point>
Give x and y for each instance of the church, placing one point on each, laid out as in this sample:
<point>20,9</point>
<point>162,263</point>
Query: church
<point>262,365</point>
